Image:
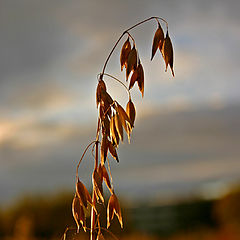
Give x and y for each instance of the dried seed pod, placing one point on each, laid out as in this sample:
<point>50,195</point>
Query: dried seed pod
<point>101,85</point>
<point>140,78</point>
<point>106,177</point>
<point>106,109</point>
<point>132,61</point>
<point>119,126</point>
<point>133,79</point>
<point>100,172</point>
<point>131,112</point>
<point>123,116</point>
<point>106,126</point>
<point>157,40</point>
<point>104,148</point>
<point>113,131</point>
<point>113,208</point>
<point>101,112</point>
<point>113,151</point>
<point>78,213</point>
<point>126,48</point>
<point>97,185</point>
<point>106,98</point>
<point>83,194</point>
<point>167,52</point>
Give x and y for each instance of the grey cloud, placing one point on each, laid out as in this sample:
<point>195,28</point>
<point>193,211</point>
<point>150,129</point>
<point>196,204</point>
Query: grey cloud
<point>48,44</point>
<point>196,141</point>
<point>38,36</point>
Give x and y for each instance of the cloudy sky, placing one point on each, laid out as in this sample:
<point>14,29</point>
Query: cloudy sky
<point>187,129</point>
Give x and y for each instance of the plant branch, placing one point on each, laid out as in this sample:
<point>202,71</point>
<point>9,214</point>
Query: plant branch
<point>109,75</point>
<point>131,37</point>
<point>93,214</point>
<point>89,229</point>
<point>82,157</point>
<point>125,32</point>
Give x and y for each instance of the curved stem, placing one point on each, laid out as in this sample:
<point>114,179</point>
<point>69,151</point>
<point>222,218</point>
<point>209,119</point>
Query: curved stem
<point>83,156</point>
<point>115,45</point>
<point>131,37</point>
<point>159,18</point>
<point>109,75</point>
<point>94,200</point>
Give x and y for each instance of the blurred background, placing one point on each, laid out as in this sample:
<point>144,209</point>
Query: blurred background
<point>180,176</point>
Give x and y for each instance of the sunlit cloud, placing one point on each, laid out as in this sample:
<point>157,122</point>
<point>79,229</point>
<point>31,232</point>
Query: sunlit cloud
<point>6,129</point>
<point>27,133</point>
<point>41,98</point>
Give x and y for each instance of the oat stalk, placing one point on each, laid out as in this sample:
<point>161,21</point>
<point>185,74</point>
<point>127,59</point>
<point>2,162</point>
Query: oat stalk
<point>113,121</point>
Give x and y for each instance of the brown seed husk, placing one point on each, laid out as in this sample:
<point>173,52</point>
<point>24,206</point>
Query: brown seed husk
<point>126,48</point>
<point>101,85</point>
<point>100,172</point>
<point>167,52</point>
<point>97,185</point>
<point>113,151</point>
<point>106,178</point>
<point>133,79</point>
<point>83,194</point>
<point>113,208</point>
<point>106,126</point>
<point>131,112</point>
<point>101,112</point>
<point>132,61</point>
<point>78,213</point>
<point>110,211</point>
<point>106,98</point>
<point>104,148</point>
<point>113,131</point>
<point>119,126</point>
<point>123,116</point>
<point>106,109</point>
<point>157,40</point>
<point>140,78</point>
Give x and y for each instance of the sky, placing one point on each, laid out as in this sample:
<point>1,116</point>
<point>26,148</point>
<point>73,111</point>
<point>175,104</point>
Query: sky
<point>186,136</point>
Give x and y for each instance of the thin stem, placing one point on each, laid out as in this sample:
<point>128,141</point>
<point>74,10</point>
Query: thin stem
<point>126,31</point>
<point>65,233</point>
<point>159,18</point>
<point>96,156</point>
<point>93,152</point>
<point>131,37</point>
<point>83,156</point>
<point>93,214</point>
<point>110,233</point>
<point>109,75</point>
<point>89,229</point>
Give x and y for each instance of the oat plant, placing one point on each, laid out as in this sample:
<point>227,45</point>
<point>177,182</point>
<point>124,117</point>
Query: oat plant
<point>113,120</point>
